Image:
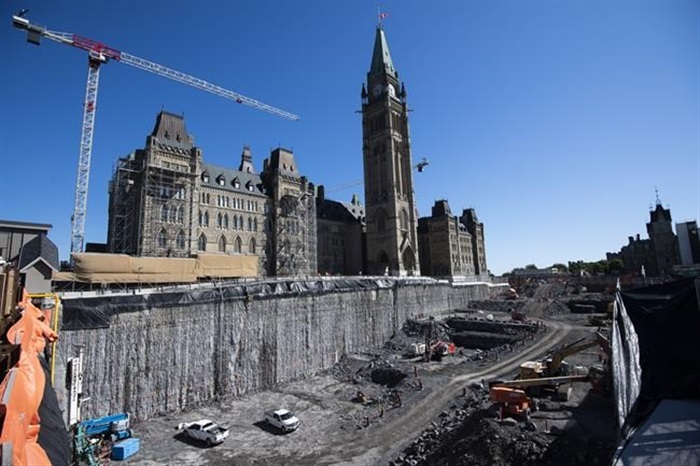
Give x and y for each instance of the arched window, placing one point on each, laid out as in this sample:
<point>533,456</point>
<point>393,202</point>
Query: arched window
<point>255,224</point>
<point>235,222</point>
<point>180,240</point>
<point>250,224</point>
<point>251,246</point>
<point>162,238</point>
<point>180,214</point>
<point>172,214</point>
<point>206,218</point>
<point>226,221</point>
<point>202,242</point>
<point>201,218</point>
<point>164,213</point>
<point>238,245</point>
<point>241,225</point>
<point>208,199</point>
<point>222,244</point>
<point>219,220</point>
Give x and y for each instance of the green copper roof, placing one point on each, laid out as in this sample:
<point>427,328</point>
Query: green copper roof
<point>381,59</point>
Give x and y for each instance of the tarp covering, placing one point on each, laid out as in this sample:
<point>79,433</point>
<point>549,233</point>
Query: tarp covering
<point>97,312</point>
<point>220,265</point>
<point>121,268</point>
<point>666,320</point>
<point>627,373</point>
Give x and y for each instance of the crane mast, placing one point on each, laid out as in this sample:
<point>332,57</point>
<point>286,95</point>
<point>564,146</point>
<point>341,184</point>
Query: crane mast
<point>99,54</point>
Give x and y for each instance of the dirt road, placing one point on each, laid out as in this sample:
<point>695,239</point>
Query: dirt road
<point>329,433</point>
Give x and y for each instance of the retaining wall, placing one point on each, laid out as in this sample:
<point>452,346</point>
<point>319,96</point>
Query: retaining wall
<point>168,359</point>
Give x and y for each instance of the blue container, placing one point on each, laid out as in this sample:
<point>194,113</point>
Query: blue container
<point>125,448</point>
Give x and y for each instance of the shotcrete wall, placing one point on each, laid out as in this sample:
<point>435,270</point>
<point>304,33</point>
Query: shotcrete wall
<point>166,359</point>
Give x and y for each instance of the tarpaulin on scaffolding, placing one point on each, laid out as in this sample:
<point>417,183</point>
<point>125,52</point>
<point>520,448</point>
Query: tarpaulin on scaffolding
<point>97,312</point>
<point>657,328</point>
<point>121,268</point>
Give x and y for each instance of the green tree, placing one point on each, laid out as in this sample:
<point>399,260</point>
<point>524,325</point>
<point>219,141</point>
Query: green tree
<point>530,267</point>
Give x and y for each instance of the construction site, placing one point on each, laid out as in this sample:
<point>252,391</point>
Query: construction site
<point>182,345</point>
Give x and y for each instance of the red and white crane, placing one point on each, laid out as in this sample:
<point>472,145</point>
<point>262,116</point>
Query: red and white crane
<point>98,54</point>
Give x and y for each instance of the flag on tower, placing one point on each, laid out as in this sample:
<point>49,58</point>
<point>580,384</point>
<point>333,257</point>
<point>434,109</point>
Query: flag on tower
<point>383,15</point>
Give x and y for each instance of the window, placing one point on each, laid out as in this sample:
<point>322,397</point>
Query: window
<point>162,238</point>
<point>206,219</point>
<point>255,224</point>
<point>180,240</point>
<point>221,180</point>
<point>250,224</point>
<point>236,183</point>
<point>238,245</point>
<point>251,246</point>
<point>205,177</point>
<point>222,244</point>
<point>404,219</point>
<point>208,199</point>
<point>219,221</point>
<point>226,221</point>
<point>180,214</point>
<point>235,222</point>
<point>201,218</point>
<point>172,214</point>
<point>202,242</point>
<point>164,213</point>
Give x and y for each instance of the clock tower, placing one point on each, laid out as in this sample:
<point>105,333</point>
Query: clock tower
<point>392,241</point>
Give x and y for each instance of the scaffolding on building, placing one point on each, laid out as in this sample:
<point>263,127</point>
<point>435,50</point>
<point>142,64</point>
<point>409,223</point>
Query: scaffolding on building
<point>122,204</point>
<point>165,185</point>
<point>295,235</point>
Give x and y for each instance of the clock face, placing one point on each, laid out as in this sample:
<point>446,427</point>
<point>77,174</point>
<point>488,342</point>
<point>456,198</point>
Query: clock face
<point>392,91</point>
<point>377,90</point>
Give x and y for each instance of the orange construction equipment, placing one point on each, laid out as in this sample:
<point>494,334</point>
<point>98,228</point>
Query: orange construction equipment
<point>22,388</point>
<point>512,401</point>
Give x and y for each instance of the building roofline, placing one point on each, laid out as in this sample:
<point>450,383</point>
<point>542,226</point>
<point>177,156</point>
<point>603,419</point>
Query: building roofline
<point>28,225</point>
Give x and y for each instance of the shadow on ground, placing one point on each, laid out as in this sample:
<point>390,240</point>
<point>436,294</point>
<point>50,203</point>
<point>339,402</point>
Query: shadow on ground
<point>182,437</point>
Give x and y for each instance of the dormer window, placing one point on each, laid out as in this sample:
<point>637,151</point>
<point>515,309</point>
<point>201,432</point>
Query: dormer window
<point>167,135</point>
<point>205,177</point>
<point>236,183</point>
<point>249,186</point>
<point>221,180</point>
<point>177,137</point>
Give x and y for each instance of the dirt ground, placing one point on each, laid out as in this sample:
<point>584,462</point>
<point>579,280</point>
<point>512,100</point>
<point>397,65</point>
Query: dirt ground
<point>414,412</point>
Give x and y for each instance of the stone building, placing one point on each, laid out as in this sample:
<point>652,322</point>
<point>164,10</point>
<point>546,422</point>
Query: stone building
<point>340,225</point>
<point>166,201</point>
<point>688,242</point>
<point>655,256</point>
<point>445,244</point>
<point>391,218</point>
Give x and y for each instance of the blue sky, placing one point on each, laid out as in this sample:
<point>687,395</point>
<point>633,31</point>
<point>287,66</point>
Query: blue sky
<point>556,121</point>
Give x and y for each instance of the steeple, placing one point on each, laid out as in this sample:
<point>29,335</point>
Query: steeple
<point>381,59</point>
<point>246,161</point>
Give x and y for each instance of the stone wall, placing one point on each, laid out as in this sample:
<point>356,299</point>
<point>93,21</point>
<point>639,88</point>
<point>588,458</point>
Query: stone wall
<point>169,359</point>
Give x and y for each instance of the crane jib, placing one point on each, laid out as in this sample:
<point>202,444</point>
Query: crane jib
<point>94,46</point>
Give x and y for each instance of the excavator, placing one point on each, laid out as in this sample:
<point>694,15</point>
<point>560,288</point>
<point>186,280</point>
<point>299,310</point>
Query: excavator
<point>554,365</point>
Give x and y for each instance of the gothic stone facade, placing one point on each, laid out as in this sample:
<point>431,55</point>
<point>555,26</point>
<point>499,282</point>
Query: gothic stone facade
<point>164,200</point>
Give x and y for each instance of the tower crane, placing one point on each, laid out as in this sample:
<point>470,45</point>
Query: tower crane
<point>99,54</point>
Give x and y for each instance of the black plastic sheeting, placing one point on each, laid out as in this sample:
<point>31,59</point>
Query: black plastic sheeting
<point>97,312</point>
<point>53,436</point>
<point>666,321</point>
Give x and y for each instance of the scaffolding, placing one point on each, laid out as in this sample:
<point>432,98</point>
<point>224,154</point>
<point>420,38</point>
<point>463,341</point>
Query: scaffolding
<point>295,234</point>
<point>122,203</point>
<point>165,217</point>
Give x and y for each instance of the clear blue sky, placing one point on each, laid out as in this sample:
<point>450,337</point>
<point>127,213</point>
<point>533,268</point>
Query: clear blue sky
<point>554,120</point>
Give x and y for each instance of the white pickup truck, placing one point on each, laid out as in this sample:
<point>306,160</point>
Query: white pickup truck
<point>204,431</point>
<point>282,419</point>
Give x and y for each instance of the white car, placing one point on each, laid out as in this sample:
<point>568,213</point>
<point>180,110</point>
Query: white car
<point>205,431</point>
<point>282,419</point>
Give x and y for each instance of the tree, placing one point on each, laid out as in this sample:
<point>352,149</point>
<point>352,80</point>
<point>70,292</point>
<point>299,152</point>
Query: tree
<point>530,267</point>
<point>560,267</point>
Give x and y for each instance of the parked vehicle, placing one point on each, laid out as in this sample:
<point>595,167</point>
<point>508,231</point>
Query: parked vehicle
<point>282,419</point>
<point>205,431</point>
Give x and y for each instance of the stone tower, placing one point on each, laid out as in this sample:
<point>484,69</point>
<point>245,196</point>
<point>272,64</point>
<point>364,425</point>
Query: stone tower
<point>392,240</point>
